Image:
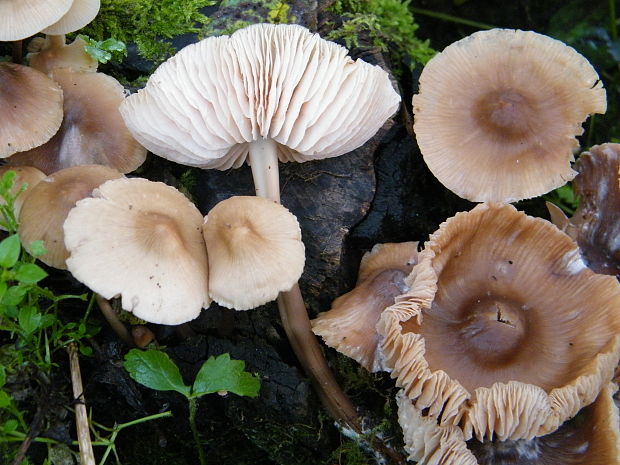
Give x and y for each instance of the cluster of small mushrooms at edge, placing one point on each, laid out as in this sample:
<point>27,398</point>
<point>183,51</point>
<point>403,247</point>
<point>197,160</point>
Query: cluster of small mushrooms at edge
<point>497,332</point>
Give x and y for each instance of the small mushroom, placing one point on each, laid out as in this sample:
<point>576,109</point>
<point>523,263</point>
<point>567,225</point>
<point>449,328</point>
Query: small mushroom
<point>45,208</point>
<point>255,244</point>
<point>349,326</point>
<point>503,330</point>
<point>498,111</point>
<point>141,240</point>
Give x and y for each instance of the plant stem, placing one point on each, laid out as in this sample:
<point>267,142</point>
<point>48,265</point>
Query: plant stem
<point>450,18</point>
<point>193,407</point>
<point>117,325</point>
<point>87,456</point>
<point>613,30</point>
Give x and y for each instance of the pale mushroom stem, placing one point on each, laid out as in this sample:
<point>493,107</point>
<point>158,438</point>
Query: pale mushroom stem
<point>263,155</point>
<point>112,318</point>
<point>56,41</point>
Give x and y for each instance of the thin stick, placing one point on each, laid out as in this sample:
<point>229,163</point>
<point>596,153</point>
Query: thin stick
<point>17,51</point>
<point>117,325</point>
<point>87,456</point>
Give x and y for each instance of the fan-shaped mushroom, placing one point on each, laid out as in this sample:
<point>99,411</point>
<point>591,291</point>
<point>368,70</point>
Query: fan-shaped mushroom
<point>498,111</point>
<point>502,313</point>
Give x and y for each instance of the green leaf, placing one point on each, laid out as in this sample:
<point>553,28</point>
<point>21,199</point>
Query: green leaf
<point>14,295</point>
<point>101,56</point>
<point>3,288</point>
<point>155,370</point>
<point>10,426</point>
<point>29,319</point>
<point>113,45</point>
<point>2,376</point>
<point>5,399</point>
<point>9,251</point>
<point>223,374</point>
<point>29,273</point>
<point>6,182</point>
<point>37,248</point>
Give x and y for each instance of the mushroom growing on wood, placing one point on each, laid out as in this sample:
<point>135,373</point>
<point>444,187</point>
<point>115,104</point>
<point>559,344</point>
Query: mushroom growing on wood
<point>141,240</point>
<point>266,92</point>
<point>498,111</point>
<point>349,326</point>
<point>503,330</point>
<point>255,244</point>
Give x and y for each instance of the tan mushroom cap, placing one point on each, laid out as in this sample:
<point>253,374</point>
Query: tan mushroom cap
<point>349,326</point>
<point>204,106</point>
<point>498,111</point>
<point>255,251</point>
<point>33,108</point>
<point>426,442</point>
<point>79,15</point>
<point>591,438</point>
<point>504,330</point>
<point>48,203</point>
<point>141,240</point>
<point>27,175</point>
<point>92,131</point>
<point>22,18</point>
<point>51,52</point>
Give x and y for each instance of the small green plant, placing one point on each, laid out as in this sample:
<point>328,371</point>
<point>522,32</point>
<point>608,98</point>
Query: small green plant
<point>563,197</point>
<point>155,370</point>
<point>104,50</point>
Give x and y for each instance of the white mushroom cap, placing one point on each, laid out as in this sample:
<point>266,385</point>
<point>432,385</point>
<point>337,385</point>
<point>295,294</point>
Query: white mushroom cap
<point>255,251</point>
<point>79,15</point>
<point>22,18</point>
<point>204,105</point>
<point>141,240</point>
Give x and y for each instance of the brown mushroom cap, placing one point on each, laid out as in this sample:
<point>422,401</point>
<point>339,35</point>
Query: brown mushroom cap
<point>255,251</point>
<point>33,108</point>
<point>349,326</point>
<point>22,18</point>
<point>597,219</point>
<point>92,131</point>
<point>502,313</point>
<point>498,111</point>
<point>51,52</point>
<point>591,438</point>
<point>204,106</point>
<point>79,15</point>
<point>48,203</point>
<point>141,240</point>
<point>27,175</point>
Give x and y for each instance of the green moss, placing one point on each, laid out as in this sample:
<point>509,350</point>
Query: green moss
<point>387,24</point>
<point>148,23</point>
<point>237,14</point>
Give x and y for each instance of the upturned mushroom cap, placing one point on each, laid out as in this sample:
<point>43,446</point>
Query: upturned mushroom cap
<point>591,438</point>
<point>22,18</point>
<point>207,103</point>
<point>49,53</point>
<point>27,175</point>
<point>48,203</point>
<point>141,240</point>
<point>33,108</point>
<point>349,326</point>
<point>92,131</point>
<point>498,111</point>
<point>79,15</point>
<point>255,251</point>
<point>504,330</point>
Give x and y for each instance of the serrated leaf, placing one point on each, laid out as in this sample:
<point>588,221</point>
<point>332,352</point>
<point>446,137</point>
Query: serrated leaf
<point>29,273</point>
<point>9,251</point>
<point>155,370</point>
<point>223,374</point>
<point>5,399</point>
<point>29,319</point>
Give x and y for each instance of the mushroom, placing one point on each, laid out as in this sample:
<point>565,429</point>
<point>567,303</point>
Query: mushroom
<point>45,208</point>
<point>266,92</point>
<point>27,176</point>
<point>92,131</point>
<point>79,15</point>
<point>498,111</point>
<point>255,244</point>
<point>349,326</point>
<point>141,240</point>
<point>51,52</point>
<point>22,18</point>
<point>35,104</point>
<point>503,330</point>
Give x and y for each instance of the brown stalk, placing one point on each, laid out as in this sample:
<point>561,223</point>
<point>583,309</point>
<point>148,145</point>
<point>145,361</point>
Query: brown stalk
<point>87,456</point>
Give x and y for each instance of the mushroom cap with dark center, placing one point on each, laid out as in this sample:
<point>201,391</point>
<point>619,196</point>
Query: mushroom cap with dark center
<point>20,19</point>
<point>92,131</point>
<point>349,326</point>
<point>498,111</point>
<point>206,104</point>
<point>141,240</point>
<point>48,203</point>
<point>501,307</point>
<point>32,104</point>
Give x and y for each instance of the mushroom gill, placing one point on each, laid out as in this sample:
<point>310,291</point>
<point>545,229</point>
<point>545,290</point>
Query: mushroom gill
<point>504,330</point>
